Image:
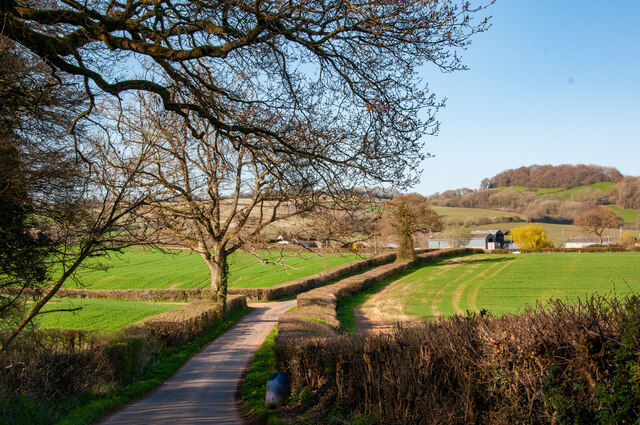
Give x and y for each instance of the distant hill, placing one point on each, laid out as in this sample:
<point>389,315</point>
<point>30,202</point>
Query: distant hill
<point>552,177</point>
<point>551,194</point>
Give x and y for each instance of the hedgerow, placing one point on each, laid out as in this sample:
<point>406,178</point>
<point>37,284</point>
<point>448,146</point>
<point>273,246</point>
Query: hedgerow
<point>557,364</point>
<point>316,315</point>
<point>57,363</point>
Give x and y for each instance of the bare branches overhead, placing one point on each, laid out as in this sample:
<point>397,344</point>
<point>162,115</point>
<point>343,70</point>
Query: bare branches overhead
<point>300,75</point>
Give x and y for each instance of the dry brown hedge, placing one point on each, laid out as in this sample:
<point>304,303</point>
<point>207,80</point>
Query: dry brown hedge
<point>564,364</point>
<point>56,362</point>
<point>316,315</point>
<point>301,285</point>
<point>179,295</point>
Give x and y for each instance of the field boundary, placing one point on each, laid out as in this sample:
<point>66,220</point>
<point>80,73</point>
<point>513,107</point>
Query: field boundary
<point>304,284</point>
<point>63,362</point>
<point>276,292</point>
<point>586,249</point>
<point>316,315</point>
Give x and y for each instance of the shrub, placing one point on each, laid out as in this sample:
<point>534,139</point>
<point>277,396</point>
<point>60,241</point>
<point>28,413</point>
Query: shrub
<point>561,364</point>
<point>52,363</point>
<point>530,236</point>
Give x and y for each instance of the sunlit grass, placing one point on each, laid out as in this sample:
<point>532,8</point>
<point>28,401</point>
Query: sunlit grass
<point>629,216</point>
<point>154,269</point>
<point>103,315</point>
<point>506,283</point>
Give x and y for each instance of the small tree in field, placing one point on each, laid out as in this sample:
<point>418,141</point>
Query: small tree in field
<point>597,220</point>
<point>531,236</point>
<point>408,214</point>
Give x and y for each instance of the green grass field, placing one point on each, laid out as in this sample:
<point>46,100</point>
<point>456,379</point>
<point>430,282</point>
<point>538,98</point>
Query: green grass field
<point>506,283</point>
<point>546,191</point>
<point>564,193</point>
<point>516,188</point>
<point>568,193</point>
<point>102,315</point>
<point>153,269</point>
<point>629,216</point>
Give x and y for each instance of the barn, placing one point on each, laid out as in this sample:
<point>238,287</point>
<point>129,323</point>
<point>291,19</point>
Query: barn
<point>584,242</point>
<point>486,239</point>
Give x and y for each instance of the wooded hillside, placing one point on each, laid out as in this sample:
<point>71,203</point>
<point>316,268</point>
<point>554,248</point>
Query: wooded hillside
<point>548,176</point>
<point>547,193</point>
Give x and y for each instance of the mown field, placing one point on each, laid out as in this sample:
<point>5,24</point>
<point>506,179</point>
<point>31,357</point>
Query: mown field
<point>504,283</point>
<point>102,315</point>
<point>154,269</point>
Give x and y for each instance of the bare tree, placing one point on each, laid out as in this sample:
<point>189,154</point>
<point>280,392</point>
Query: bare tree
<point>628,195</point>
<point>350,66</point>
<point>353,218</point>
<point>217,197</point>
<point>408,214</point>
<point>90,222</point>
<point>329,87</point>
<point>56,210</point>
<point>597,220</point>
<point>457,236</point>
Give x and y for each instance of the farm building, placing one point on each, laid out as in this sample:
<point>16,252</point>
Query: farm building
<point>583,242</point>
<point>487,239</point>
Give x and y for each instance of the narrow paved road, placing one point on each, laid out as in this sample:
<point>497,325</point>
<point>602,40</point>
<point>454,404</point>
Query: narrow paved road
<point>203,390</point>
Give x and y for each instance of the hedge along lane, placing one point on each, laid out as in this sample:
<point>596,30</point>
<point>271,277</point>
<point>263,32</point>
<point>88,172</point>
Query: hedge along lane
<point>203,390</point>
<point>316,316</point>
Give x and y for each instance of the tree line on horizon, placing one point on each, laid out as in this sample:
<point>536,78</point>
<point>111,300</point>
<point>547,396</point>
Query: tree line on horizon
<point>551,207</point>
<point>565,176</point>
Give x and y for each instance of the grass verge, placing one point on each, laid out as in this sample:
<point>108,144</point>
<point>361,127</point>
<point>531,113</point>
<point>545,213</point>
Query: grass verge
<point>167,365</point>
<point>254,387</point>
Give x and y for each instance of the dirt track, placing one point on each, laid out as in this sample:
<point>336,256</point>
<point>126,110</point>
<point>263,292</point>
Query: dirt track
<point>203,390</point>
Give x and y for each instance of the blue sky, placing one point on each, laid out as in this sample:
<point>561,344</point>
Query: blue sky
<point>552,82</point>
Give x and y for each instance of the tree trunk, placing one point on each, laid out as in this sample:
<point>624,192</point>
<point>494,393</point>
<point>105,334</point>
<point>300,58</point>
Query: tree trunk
<point>406,249</point>
<point>218,274</point>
